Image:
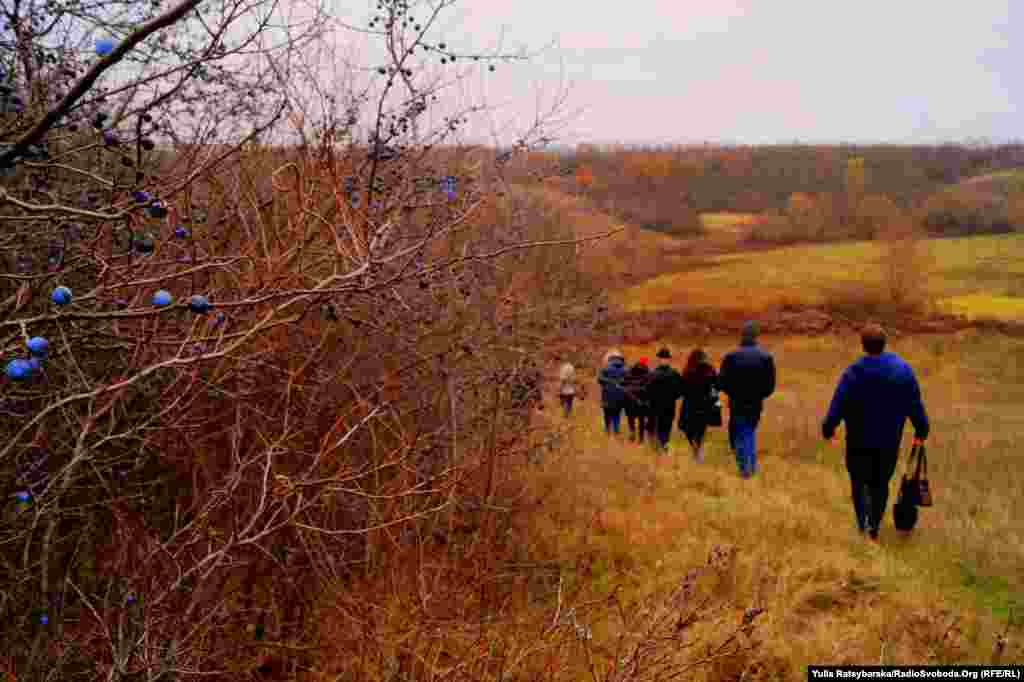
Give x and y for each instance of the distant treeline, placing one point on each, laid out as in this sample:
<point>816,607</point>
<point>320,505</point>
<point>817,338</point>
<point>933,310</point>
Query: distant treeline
<point>665,188</point>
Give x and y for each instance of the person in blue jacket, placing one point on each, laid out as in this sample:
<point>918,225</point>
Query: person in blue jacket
<point>875,397</point>
<point>748,377</point>
<point>613,396</point>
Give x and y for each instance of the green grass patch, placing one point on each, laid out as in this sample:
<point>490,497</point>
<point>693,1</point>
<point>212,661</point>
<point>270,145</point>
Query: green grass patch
<point>993,593</point>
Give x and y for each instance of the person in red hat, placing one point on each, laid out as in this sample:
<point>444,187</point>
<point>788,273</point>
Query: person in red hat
<point>637,408</point>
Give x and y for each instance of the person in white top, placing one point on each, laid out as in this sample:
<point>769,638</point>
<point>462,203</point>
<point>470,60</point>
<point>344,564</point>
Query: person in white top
<point>568,388</point>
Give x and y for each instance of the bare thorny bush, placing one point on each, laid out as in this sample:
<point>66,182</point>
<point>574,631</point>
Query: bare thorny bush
<point>351,388</point>
<point>221,484</point>
<point>907,265</point>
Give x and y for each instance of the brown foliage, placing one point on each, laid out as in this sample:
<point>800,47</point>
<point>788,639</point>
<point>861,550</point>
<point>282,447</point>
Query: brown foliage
<point>966,210</point>
<point>338,422</point>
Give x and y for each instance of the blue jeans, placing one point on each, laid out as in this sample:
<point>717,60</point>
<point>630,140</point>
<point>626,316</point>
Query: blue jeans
<point>612,418</point>
<point>743,441</point>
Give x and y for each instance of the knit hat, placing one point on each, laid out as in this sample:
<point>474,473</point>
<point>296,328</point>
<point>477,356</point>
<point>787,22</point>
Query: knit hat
<point>663,353</point>
<point>613,353</point>
<point>750,330</point>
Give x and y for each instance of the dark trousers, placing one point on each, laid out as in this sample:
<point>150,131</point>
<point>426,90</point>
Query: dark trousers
<point>693,423</point>
<point>664,418</point>
<point>695,431</point>
<point>870,473</point>
<point>638,419</point>
<point>612,418</point>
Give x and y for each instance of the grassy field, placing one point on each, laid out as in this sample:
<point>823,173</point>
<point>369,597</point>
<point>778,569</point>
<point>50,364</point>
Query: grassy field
<point>977,276</point>
<point>639,524</point>
<point>1001,181</point>
<point>728,222</point>
<point>727,229</point>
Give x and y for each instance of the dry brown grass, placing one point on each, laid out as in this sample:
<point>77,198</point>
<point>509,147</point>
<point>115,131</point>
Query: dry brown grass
<point>637,525</point>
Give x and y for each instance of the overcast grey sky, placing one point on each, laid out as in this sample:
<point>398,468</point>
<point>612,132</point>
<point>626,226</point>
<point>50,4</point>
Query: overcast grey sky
<point>759,71</point>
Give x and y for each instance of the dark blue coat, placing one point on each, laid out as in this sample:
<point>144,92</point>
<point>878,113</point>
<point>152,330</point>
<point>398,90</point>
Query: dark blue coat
<point>610,378</point>
<point>747,376</point>
<point>875,396</point>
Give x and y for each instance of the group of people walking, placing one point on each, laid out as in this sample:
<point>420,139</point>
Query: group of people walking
<point>648,397</point>
<point>875,396</point>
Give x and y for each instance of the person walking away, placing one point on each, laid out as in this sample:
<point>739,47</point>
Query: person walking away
<point>747,377</point>
<point>568,387</point>
<point>874,397</point>
<point>613,397</point>
<point>637,409</point>
<point>664,389</point>
<point>700,384</point>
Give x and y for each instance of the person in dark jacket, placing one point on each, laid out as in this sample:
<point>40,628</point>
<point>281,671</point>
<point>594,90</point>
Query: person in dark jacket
<point>747,377</point>
<point>664,389</point>
<point>700,384</point>
<point>875,396</point>
<point>635,386</point>
<point>613,397</point>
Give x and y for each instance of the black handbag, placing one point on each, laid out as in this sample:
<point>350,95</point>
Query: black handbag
<point>915,491</point>
<point>904,514</point>
<point>921,486</point>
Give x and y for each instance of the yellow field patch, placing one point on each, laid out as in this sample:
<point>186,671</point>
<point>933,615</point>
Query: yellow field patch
<point>984,276</point>
<point>985,306</point>
<point>757,281</point>
<point>725,220</point>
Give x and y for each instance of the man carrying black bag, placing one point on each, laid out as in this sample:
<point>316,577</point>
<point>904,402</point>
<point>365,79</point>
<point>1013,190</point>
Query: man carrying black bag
<point>875,397</point>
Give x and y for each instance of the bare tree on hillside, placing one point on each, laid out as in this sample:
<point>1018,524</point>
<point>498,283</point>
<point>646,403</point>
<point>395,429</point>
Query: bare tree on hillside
<point>906,264</point>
